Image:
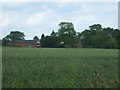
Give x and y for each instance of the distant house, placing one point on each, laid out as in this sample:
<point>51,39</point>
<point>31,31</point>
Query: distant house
<point>27,43</point>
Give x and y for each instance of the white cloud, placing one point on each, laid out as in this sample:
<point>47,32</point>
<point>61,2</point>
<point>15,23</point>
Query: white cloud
<point>45,18</point>
<point>39,17</point>
<point>110,23</point>
<point>12,4</point>
<point>5,21</point>
<point>82,0</point>
<point>84,19</point>
<point>35,19</point>
<point>80,22</point>
<point>59,0</point>
<point>61,4</point>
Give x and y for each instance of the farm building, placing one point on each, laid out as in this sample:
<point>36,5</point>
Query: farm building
<point>27,43</point>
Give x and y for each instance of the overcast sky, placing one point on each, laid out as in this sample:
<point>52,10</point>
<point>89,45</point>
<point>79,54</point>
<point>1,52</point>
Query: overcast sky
<point>35,18</point>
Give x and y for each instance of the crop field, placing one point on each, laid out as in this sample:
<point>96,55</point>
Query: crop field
<point>59,68</point>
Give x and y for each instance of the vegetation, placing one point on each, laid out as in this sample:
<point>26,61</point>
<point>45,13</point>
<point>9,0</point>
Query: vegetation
<point>66,37</point>
<point>59,68</point>
<point>13,36</point>
<point>99,37</point>
<point>36,38</point>
<point>94,37</point>
<point>0,42</point>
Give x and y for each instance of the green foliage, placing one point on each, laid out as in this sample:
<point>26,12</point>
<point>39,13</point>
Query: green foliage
<point>99,37</point>
<point>66,28</point>
<point>42,40</point>
<point>53,33</point>
<point>100,40</point>
<point>95,27</point>
<point>36,38</point>
<point>13,36</point>
<point>65,37</point>
<point>50,41</point>
<point>67,34</point>
<point>59,68</point>
<point>86,38</point>
<point>5,40</point>
<point>42,36</point>
<point>16,35</point>
<point>0,42</point>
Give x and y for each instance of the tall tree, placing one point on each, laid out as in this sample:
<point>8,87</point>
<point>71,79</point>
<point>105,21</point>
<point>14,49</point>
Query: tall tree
<point>53,33</point>
<point>101,40</point>
<point>113,33</point>
<point>16,35</point>
<point>99,37</point>
<point>42,36</point>
<point>67,34</point>
<point>42,40</point>
<point>36,38</point>
<point>5,40</point>
<point>86,38</point>
<point>0,42</point>
<point>95,27</point>
<point>13,36</point>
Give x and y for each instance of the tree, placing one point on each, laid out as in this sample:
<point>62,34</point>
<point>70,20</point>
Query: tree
<point>67,34</point>
<point>101,40</point>
<point>99,37</point>
<point>13,36</point>
<point>42,36</point>
<point>16,35</point>
<point>86,38</point>
<point>114,34</point>
<point>113,43</point>
<point>95,27</point>
<point>53,33</point>
<point>5,40</point>
<point>86,35</point>
<point>36,38</point>
<point>42,40</point>
<point>66,28</point>
<point>50,41</point>
<point>0,42</point>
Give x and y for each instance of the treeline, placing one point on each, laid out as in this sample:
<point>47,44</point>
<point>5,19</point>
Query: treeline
<point>98,37</point>
<point>66,37</point>
<point>94,37</point>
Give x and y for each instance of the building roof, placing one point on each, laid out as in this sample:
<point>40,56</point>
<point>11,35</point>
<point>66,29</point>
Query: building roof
<point>25,41</point>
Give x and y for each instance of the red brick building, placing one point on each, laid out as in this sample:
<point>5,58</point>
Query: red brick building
<point>27,43</point>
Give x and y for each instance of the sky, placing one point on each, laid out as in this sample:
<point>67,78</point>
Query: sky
<point>36,18</point>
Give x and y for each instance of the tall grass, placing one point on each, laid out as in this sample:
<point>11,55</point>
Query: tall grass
<point>59,68</point>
